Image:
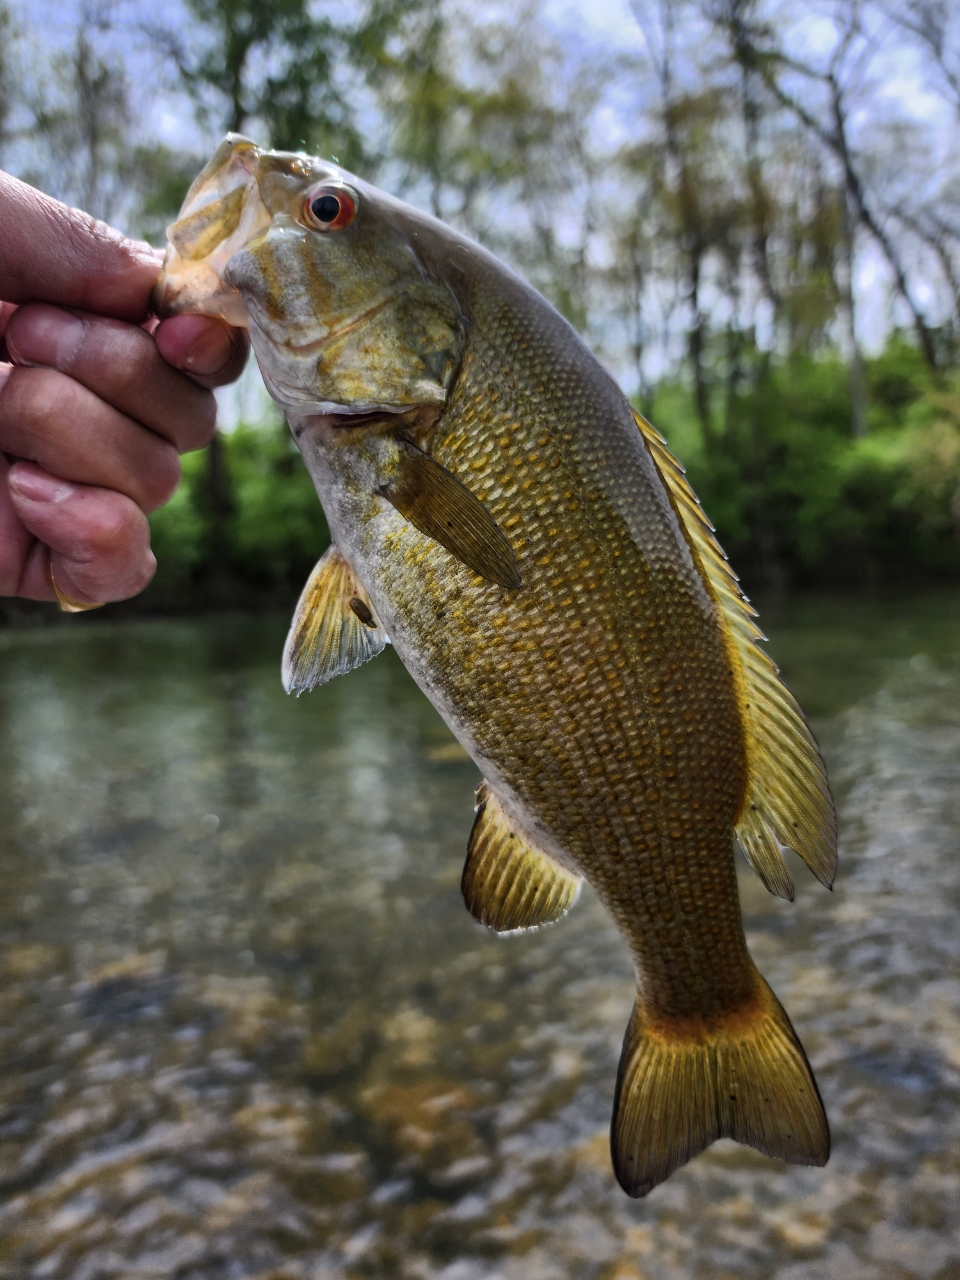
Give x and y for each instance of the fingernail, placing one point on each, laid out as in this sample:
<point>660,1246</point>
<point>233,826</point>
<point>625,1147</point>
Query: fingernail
<point>39,486</point>
<point>44,335</point>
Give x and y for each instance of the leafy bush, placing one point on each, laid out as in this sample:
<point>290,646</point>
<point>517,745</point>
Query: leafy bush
<point>274,530</point>
<point>797,500</point>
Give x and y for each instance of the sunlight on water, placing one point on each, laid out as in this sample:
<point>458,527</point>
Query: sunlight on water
<point>248,1029</point>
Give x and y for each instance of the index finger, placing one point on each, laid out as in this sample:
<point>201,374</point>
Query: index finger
<point>52,253</point>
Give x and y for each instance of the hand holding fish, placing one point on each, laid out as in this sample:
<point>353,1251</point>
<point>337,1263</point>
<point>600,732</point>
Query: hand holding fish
<point>94,408</point>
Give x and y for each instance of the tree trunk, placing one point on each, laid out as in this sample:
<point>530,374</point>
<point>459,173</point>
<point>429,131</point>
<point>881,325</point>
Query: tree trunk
<point>218,573</point>
<point>857,378</point>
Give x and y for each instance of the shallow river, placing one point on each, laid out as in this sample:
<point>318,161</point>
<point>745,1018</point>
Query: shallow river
<point>247,1028</point>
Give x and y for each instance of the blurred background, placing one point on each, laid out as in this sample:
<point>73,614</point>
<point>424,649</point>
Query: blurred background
<point>749,209</point>
<point>247,1029</point>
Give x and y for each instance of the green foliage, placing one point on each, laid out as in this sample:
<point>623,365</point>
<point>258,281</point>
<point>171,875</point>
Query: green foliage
<point>278,528</point>
<point>796,499</point>
<point>282,68</point>
<point>684,210</point>
<point>274,535</point>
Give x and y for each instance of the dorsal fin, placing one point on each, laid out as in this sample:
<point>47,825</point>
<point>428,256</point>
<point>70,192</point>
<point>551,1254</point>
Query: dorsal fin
<point>334,628</point>
<point>507,883</point>
<point>788,801</point>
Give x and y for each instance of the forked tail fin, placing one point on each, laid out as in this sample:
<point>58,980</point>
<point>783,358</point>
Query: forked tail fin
<point>745,1078</point>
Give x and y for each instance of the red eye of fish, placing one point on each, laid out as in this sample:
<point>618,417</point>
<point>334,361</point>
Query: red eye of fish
<point>329,208</point>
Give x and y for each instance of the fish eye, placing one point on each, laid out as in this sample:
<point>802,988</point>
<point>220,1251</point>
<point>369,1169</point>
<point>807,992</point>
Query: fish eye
<point>329,208</point>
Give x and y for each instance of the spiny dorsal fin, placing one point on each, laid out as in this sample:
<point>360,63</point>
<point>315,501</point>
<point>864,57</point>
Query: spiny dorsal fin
<point>334,628</point>
<point>436,503</point>
<point>788,801</point>
<point>507,884</point>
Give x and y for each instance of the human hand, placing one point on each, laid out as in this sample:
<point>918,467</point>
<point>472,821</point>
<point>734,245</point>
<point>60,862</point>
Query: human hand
<point>94,409</point>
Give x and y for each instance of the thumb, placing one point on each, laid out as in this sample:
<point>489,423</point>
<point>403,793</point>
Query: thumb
<point>52,253</point>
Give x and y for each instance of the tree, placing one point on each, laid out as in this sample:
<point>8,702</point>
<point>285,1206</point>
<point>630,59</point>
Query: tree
<point>81,122</point>
<point>276,68</point>
<point>841,78</point>
<point>935,24</point>
<point>272,67</point>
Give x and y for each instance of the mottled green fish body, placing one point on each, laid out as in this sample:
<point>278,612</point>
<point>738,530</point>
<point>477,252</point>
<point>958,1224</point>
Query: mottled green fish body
<point>534,553</point>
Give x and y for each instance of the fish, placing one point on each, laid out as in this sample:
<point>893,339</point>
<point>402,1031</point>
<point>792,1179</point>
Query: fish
<point>501,513</point>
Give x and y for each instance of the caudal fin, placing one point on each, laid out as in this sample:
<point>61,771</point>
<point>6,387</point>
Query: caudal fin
<point>745,1078</point>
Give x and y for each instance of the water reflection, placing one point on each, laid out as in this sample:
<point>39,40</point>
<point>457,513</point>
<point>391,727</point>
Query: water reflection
<point>248,1030</point>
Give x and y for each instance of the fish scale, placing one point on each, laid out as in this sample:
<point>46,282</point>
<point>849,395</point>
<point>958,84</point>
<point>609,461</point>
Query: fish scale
<point>584,631</point>
<point>546,574</point>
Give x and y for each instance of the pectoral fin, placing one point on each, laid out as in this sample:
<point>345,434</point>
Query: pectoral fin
<point>334,628</point>
<point>436,503</point>
<point>507,884</point>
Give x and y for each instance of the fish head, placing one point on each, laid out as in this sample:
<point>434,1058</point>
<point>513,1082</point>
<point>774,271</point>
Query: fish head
<point>350,304</point>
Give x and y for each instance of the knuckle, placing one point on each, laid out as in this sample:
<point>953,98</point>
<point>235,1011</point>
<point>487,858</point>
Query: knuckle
<point>103,532</point>
<point>43,396</point>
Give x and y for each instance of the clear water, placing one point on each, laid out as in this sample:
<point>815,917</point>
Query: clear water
<point>247,1028</point>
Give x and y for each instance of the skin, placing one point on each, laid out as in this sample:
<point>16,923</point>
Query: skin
<point>96,402</point>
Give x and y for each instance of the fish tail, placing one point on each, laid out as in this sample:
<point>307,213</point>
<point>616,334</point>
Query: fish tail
<point>682,1085</point>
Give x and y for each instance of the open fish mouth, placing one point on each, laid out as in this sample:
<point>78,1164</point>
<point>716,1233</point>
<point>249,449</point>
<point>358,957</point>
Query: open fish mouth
<point>221,212</point>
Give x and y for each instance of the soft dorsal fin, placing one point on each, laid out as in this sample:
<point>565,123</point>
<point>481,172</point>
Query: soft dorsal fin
<point>507,883</point>
<point>334,628</point>
<point>788,801</point>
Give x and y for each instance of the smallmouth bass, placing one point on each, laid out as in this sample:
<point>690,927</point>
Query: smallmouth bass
<point>535,554</point>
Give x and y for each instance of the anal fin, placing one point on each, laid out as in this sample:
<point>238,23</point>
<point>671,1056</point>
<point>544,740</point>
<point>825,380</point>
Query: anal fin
<point>334,628</point>
<point>507,883</point>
